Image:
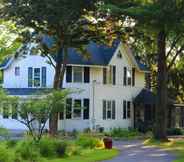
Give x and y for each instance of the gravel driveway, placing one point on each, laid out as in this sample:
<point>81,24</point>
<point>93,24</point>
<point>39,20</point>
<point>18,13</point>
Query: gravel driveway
<point>135,151</point>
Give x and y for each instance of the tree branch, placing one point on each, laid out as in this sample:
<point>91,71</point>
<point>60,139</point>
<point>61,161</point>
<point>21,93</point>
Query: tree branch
<point>177,38</point>
<point>174,58</point>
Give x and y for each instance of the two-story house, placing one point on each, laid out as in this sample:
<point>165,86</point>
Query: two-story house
<point>108,82</point>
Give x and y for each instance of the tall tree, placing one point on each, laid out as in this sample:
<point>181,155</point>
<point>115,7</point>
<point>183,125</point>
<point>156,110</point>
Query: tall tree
<point>63,24</point>
<point>164,20</point>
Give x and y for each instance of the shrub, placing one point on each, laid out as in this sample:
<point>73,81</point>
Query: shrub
<point>123,133</point>
<point>87,141</point>
<point>5,154</point>
<point>175,131</point>
<point>47,147</point>
<point>11,143</point>
<point>50,147</point>
<point>72,149</point>
<point>27,150</point>
<point>60,148</point>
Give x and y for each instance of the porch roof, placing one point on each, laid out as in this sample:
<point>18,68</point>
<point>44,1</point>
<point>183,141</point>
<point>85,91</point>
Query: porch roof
<point>145,97</point>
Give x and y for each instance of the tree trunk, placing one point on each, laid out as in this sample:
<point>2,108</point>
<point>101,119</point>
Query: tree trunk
<point>161,107</point>
<point>58,84</point>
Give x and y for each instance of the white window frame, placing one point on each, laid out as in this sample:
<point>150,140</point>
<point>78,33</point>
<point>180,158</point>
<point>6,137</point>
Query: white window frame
<point>34,78</point>
<point>129,71</point>
<point>111,109</point>
<point>82,70</point>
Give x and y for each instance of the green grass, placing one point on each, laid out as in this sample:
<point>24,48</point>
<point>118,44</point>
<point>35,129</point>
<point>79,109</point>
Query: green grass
<point>87,156</point>
<point>176,146</point>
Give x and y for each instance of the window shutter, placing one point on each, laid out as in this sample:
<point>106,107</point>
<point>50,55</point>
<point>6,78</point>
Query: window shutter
<point>124,110</point>
<point>133,77</point>
<point>125,76</point>
<point>104,110</point>
<point>86,109</point>
<point>104,76</point>
<point>86,74</point>
<point>44,77</point>
<point>30,77</point>
<point>113,110</point>
<point>69,74</point>
<point>61,115</point>
<point>114,75</point>
<point>68,108</point>
<point>128,109</point>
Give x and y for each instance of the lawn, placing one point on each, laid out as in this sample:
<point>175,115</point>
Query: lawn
<point>175,146</point>
<point>89,156</point>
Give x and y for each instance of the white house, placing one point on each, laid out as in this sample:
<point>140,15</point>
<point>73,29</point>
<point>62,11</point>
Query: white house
<point>108,82</point>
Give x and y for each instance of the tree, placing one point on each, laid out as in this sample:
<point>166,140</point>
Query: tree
<point>164,20</point>
<point>34,112</point>
<point>69,24</point>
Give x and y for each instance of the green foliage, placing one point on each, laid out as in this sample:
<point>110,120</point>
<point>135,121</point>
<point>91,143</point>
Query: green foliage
<point>123,133</point>
<point>175,131</point>
<point>27,150</point>
<point>11,143</point>
<point>87,141</point>
<point>5,154</point>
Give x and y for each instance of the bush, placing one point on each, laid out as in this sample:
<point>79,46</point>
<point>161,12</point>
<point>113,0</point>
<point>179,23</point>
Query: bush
<point>50,147</point>
<point>72,149</point>
<point>87,141</point>
<point>27,150</point>
<point>47,147</point>
<point>175,131</point>
<point>60,148</point>
<point>5,154</point>
<point>11,143</point>
<point>123,133</point>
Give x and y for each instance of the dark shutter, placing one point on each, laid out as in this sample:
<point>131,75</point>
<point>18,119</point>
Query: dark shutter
<point>133,76</point>
<point>104,110</point>
<point>68,108</point>
<point>104,76</point>
<point>125,76</point>
<point>61,115</point>
<point>86,109</point>
<point>69,74</point>
<point>86,74</point>
<point>30,77</point>
<point>124,110</point>
<point>44,77</point>
<point>113,110</point>
<point>128,109</point>
<point>114,75</point>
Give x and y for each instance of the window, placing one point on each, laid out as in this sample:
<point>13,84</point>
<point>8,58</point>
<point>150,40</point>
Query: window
<point>37,77</point>
<point>126,109</point>
<point>44,76</point>
<point>77,109</point>
<point>77,74</point>
<point>109,75</point>
<point>109,110</point>
<point>17,71</point>
<point>127,78</point>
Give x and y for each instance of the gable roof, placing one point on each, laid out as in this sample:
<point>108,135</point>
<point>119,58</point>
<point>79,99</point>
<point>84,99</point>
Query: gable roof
<point>100,55</point>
